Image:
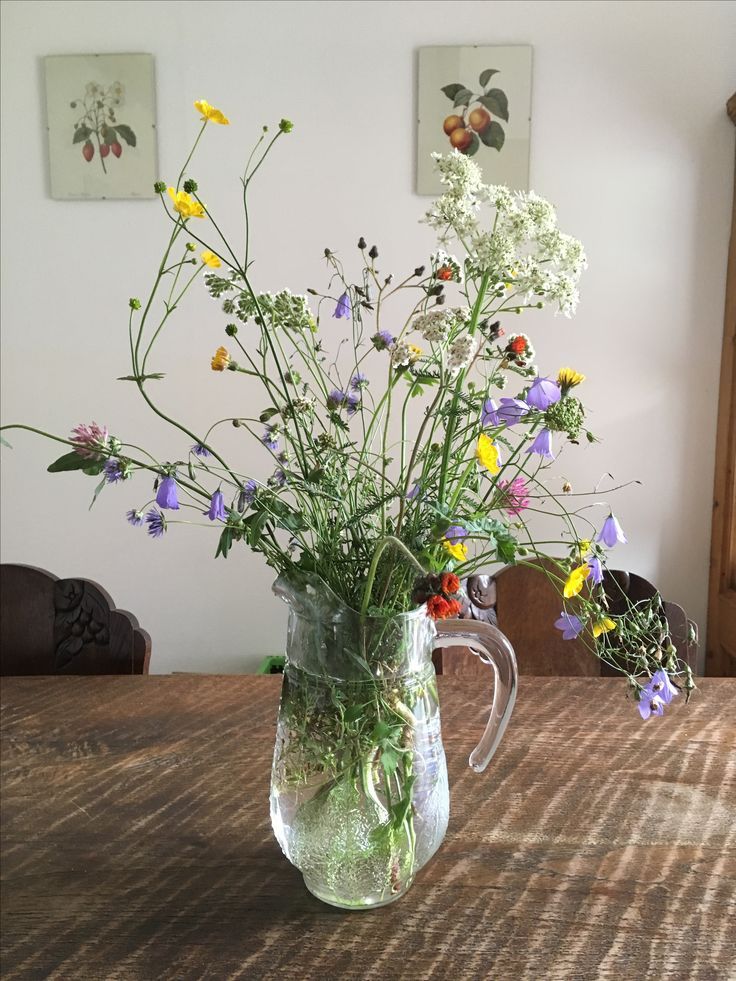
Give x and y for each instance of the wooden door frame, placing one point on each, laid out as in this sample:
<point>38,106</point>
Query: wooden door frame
<point>721,637</point>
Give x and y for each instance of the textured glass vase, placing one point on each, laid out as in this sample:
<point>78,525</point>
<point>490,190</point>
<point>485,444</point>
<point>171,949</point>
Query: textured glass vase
<point>359,793</point>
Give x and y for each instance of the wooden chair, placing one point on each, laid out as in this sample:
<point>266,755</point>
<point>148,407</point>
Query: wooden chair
<point>524,604</point>
<point>65,626</point>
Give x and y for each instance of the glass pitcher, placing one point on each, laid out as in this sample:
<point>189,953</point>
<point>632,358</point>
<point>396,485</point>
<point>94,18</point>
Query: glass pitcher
<point>359,792</point>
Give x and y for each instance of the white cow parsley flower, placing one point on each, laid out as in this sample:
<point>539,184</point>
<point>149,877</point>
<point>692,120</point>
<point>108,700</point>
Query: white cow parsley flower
<point>403,354</point>
<point>461,352</point>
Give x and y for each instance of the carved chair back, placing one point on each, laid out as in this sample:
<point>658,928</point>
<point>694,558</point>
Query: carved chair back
<point>524,604</point>
<point>65,626</point>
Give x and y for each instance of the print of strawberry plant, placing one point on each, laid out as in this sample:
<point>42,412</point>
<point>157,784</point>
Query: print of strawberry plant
<point>473,123</point>
<point>99,123</point>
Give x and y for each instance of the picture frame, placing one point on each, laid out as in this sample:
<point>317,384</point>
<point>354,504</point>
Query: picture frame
<point>101,121</point>
<point>475,99</point>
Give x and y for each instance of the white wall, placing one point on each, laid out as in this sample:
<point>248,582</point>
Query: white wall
<point>629,138</point>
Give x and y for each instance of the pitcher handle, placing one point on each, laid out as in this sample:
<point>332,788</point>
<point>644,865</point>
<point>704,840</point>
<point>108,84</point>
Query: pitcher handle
<point>490,645</point>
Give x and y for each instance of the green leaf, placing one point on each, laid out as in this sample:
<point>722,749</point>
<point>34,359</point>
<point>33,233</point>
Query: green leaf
<point>156,376</point>
<point>494,135</point>
<point>83,133</point>
<point>506,549</point>
<point>496,103</point>
<point>110,135</point>
<point>127,134</point>
<point>257,523</point>
<point>292,522</point>
<point>452,90</point>
<point>463,97</point>
<point>226,540</point>
<point>268,414</point>
<point>95,468</point>
<point>70,461</point>
<point>381,731</point>
<point>474,145</point>
<point>486,76</point>
<point>5,442</point>
<point>389,760</point>
<point>98,488</point>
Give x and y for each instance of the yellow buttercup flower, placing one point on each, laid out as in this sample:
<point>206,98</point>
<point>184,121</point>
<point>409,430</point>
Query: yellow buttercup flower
<point>210,114</point>
<point>221,359</point>
<point>575,581</point>
<point>603,626</point>
<point>583,546</point>
<point>569,378</point>
<point>185,204</point>
<point>456,549</point>
<point>488,454</point>
<point>415,353</point>
<point>210,259</point>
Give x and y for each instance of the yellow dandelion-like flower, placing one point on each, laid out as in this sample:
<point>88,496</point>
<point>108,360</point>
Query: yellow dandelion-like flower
<point>603,626</point>
<point>185,204</point>
<point>221,359</point>
<point>456,549</point>
<point>209,114</point>
<point>210,259</point>
<point>415,353</point>
<point>575,581</point>
<point>488,454</point>
<point>568,378</point>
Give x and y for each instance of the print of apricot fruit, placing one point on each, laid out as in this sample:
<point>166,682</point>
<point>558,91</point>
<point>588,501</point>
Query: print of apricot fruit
<point>452,123</point>
<point>461,138</point>
<point>479,119</point>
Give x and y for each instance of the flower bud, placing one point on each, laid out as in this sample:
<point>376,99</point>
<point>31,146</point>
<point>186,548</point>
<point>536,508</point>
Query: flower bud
<point>159,187</point>
<point>286,126</point>
<point>237,423</point>
<point>134,303</point>
<point>361,243</point>
<point>231,330</point>
<point>373,252</point>
<point>419,270</point>
<point>190,186</point>
<point>328,253</point>
<point>312,292</point>
<point>190,247</point>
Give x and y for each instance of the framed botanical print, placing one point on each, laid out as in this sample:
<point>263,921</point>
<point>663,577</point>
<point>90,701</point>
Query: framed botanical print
<point>101,118</point>
<point>476,100</point>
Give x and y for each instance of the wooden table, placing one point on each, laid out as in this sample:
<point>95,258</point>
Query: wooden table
<point>137,841</point>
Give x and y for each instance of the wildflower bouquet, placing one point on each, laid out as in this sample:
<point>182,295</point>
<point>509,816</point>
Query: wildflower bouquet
<point>406,454</point>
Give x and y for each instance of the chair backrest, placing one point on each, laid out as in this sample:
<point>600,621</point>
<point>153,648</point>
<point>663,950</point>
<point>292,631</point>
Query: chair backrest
<point>65,626</point>
<point>524,604</point>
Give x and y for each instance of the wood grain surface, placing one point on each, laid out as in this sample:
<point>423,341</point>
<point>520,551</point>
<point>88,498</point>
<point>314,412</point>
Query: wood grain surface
<point>137,844</point>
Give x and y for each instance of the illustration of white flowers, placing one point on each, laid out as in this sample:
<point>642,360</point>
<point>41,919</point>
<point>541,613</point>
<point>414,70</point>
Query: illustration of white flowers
<point>98,123</point>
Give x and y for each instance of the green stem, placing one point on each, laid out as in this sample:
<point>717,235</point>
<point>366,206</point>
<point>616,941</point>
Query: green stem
<point>380,548</point>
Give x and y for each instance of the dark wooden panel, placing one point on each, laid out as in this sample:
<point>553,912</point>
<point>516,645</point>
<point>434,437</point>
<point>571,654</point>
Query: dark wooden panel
<point>137,845</point>
<point>65,626</point>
